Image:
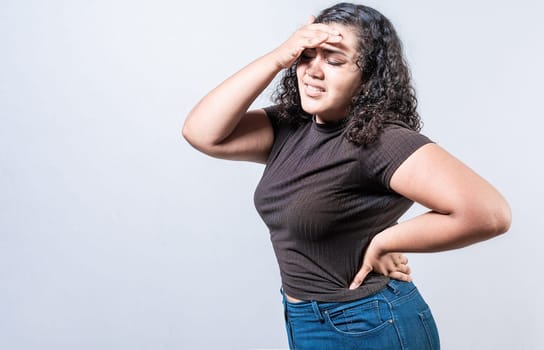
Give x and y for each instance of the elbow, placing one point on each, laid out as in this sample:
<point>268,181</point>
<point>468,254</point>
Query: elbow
<point>502,219</point>
<point>198,141</point>
<point>185,133</point>
<point>495,220</point>
<point>190,136</point>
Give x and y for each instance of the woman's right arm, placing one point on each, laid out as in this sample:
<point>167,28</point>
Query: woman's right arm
<point>221,126</point>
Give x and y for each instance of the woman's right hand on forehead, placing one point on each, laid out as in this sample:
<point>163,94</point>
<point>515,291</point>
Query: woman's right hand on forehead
<point>309,36</point>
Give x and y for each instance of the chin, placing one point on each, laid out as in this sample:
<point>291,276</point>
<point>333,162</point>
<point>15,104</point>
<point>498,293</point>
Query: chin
<point>310,108</point>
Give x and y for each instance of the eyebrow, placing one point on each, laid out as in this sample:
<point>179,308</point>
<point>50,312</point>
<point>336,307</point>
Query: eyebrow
<point>333,50</point>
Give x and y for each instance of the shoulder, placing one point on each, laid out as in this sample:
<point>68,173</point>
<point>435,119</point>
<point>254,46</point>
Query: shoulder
<point>283,118</point>
<point>398,137</point>
<point>393,146</point>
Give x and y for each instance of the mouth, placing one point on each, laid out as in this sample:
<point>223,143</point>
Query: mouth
<point>313,91</point>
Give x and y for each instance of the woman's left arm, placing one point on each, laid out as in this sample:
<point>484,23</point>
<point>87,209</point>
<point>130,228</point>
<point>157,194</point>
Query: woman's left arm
<point>464,209</point>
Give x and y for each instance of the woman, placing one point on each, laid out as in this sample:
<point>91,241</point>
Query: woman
<point>344,160</point>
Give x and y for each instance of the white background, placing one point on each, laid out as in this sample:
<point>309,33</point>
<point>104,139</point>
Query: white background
<point>116,234</point>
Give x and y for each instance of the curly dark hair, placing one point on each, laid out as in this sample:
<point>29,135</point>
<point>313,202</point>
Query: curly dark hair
<point>386,94</point>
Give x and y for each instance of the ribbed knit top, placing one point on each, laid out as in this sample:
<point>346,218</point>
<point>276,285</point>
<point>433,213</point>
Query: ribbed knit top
<point>323,200</point>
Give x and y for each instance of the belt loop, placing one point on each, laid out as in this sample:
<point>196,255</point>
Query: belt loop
<point>317,311</point>
<point>393,286</point>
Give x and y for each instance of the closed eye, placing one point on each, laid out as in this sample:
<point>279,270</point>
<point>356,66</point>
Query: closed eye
<point>308,54</point>
<point>335,62</point>
<point>331,56</point>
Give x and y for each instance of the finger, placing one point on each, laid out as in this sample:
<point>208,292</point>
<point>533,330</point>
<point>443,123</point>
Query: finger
<point>310,20</point>
<point>402,268</point>
<point>321,27</point>
<point>397,258</point>
<point>360,277</point>
<point>333,39</point>
<point>389,263</point>
<point>314,40</point>
<point>321,39</point>
<point>403,259</point>
<point>400,276</point>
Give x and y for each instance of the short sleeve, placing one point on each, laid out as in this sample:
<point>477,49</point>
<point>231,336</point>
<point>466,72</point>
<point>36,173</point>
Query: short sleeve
<point>272,113</point>
<point>381,159</point>
<point>282,130</point>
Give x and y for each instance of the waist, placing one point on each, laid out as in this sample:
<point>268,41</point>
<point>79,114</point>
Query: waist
<point>394,291</point>
<point>331,292</point>
<point>292,299</point>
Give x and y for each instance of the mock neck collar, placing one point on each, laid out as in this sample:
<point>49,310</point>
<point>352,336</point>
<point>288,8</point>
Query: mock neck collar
<point>328,126</point>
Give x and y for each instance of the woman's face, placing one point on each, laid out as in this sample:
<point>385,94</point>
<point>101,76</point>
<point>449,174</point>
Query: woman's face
<point>328,76</point>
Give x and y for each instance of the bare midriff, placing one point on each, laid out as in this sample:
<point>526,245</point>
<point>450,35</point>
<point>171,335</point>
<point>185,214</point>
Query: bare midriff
<point>292,300</point>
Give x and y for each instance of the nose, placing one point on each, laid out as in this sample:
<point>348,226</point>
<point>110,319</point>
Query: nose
<point>314,68</point>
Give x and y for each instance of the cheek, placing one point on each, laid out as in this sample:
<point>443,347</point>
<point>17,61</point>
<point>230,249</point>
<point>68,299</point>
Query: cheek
<point>300,74</point>
<point>355,88</point>
<point>353,85</point>
<point>346,87</point>
<point>301,68</point>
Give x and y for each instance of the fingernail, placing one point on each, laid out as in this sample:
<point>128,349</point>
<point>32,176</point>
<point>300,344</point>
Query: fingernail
<point>353,286</point>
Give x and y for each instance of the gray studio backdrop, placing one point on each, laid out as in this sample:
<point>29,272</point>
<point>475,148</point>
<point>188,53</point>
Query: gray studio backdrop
<point>116,234</point>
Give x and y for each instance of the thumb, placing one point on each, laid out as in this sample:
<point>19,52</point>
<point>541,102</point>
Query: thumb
<point>360,276</point>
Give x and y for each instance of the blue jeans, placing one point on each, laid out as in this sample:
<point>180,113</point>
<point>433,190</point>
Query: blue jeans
<point>396,317</point>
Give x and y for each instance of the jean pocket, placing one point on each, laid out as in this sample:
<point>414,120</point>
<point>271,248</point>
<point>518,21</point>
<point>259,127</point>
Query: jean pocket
<point>360,319</point>
<point>431,330</point>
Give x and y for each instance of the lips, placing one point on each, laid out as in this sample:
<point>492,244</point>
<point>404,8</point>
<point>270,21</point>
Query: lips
<point>313,90</point>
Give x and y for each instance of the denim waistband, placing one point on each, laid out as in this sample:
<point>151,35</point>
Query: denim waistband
<point>393,290</point>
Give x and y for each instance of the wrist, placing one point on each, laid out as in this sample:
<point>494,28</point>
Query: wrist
<point>279,59</point>
<point>379,244</point>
